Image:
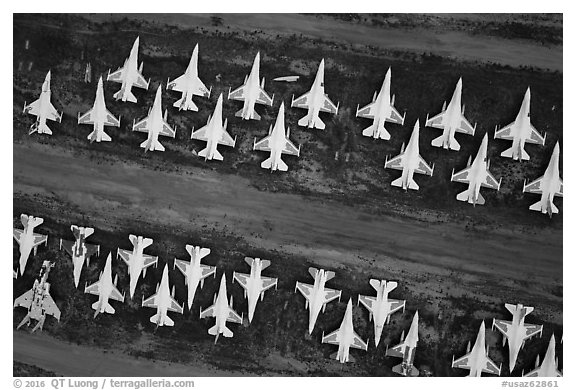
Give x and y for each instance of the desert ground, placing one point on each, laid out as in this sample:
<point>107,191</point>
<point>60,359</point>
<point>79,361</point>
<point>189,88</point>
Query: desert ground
<point>454,263</point>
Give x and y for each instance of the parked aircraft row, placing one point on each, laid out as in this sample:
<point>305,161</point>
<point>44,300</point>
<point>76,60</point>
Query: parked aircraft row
<point>381,110</point>
<point>380,307</point>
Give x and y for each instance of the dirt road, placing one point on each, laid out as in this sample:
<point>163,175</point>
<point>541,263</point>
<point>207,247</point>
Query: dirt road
<point>447,44</point>
<point>75,360</point>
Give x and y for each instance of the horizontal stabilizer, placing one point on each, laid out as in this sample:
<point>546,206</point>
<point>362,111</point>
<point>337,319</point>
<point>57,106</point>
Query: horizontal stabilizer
<point>398,182</point>
<point>109,309</point>
<point>267,164</point>
<point>318,123</point>
<point>304,120</point>
<point>412,185</point>
<point>213,330</point>
<point>227,332</point>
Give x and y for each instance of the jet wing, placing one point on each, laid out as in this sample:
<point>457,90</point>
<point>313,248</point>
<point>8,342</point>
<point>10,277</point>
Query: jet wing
<point>141,126</point>
<point>302,101</point>
<point>462,176</point>
<point>263,144</point>
<point>328,106</point>
<point>52,113</point>
<point>367,111</point>
<point>330,295</point>
<point>242,279</point>
<point>531,330</point>
<point>167,130</point>
<point>367,301</point>
<point>209,312</point>
<point>17,233</point>
<point>465,126</point>
<point>534,187</point>
<point>305,289</point>
<point>491,181</point>
<point>50,307</point>
<point>149,260</point>
<point>535,137</point>
<point>268,283</point>
<point>397,350</point>
<point>395,116</point>
<point>141,81</point>
<point>395,305</point>
<point>462,362</point>
<point>116,76</point>
<point>490,367</point>
<point>93,289</point>
<point>25,300</point>
<point>116,295</point>
<point>423,167</point>
<point>238,93</point>
<point>358,343</point>
<point>111,120</point>
<point>87,118</point>
<point>175,306</point>
<point>200,134</point>
<point>234,317</point>
<point>201,89</point>
<point>436,121</point>
<point>33,108</point>
<point>176,84</point>
<point>503,326</point>
<point>332,338</point>
<point>151,301</point>
<point>39,239</point>
<point>226,139</point>
<point>207,271</point>
<point>561,190</point>
<point>396,162</point>
<point>264,98</point>
<point>506,132</point>
<point>538,372</point>
<point>125,255</point>
<point>92,249</point>
<point>290,148</point>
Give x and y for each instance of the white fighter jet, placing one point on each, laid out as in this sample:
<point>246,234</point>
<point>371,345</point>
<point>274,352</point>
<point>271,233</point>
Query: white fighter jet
<point>549,366</point>
<point>548,186</point>
<point>345,337</point>
<point>189,84</point>
<point>38,300</point>
<point>317,296</point>
<point>99,116</point>
<point>381,110</point>
<point>519,132</point>
<point>451,120</point>
<point>277,142</point>
<point>214,133</point>
<point>79,250</point>
<point>315,101</point>
<point>380,307</point>
<point>42,109</point>
<point>155,125</point>
<point>254,284</point>
<point>251,92</point>
<point>27,239</point>
<point>222,311</point>
<point>129,75</point>
<point>409,162</point>
<point>163,301</point>
<point>136,260</point>
<point>406,350</point>
<point>106,289</point>
<point>477,359</point>
<point>516,331</point>
<point>194,272</point>
<point>476,175</point>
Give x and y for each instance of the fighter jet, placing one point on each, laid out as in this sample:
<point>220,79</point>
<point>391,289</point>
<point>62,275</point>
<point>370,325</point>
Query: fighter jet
<point>214,133</point>
<point>345,337</point>
<point>516,331</point>
<point>79,249</point>
<point>519,132</point>
<point>315,101</point>
<point>549,366</point>
<point>251,92</point>
<point>155,125</point>
<point>381,110</point>
<point>277,142</point>
<point>38,300</point>
<point>163,301</point>
<point>129,75</point>
<point>42,109</point>
<point>476,175</point>
<point>189,84</point>
<point>380,307</point>
<point>254,284</point>
<point>136,260</point>
<point>406,350</point>
<point>477,360</point>
<point>222,311</point>
<point>27,239</point>
<point>451,120</point>
<point>106,289</point>
<point>409,162</point>
<point>317,296</point>
<point>548,186</point>
<point>99,116</point>
<point>194,272</point>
